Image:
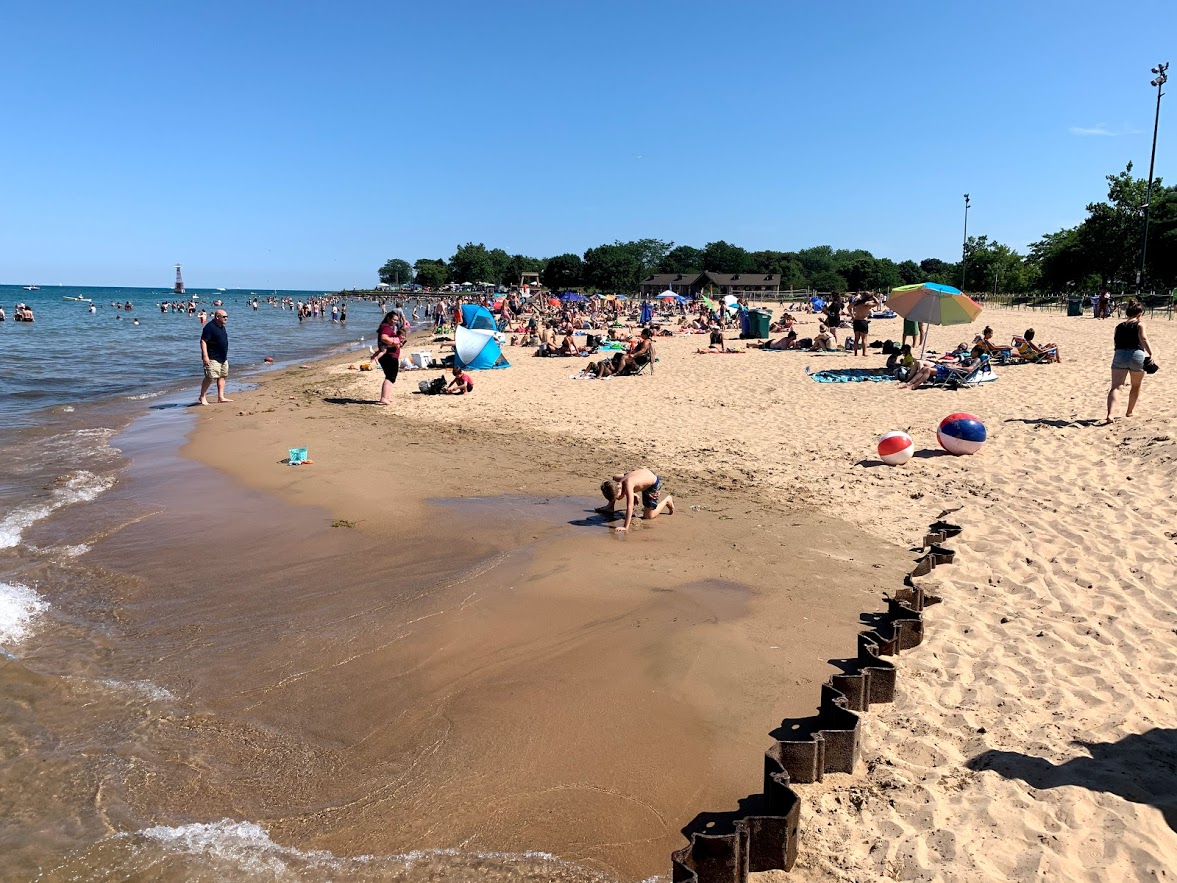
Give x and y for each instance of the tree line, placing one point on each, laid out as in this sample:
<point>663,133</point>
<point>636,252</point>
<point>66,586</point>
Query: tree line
<point>1102,250</point>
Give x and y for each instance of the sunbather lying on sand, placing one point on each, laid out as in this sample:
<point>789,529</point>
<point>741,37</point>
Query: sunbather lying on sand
<point>788,342</point>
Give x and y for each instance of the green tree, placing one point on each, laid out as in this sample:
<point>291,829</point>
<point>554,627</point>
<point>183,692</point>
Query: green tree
<point>431,273</point>
<point>396,272</point>
<point>910,273</point>
<point>563,272</point>
<point>499,262</point>
<point>793,274</point>
<point>1162,238</point>
<point>615,267</point>
<point>471,263</point>
<point>768,261</point>
<point>723,257</point>
<point>828,280</point>
<point>682,259</point>
<point>648,252</point>
<point>816,260</point>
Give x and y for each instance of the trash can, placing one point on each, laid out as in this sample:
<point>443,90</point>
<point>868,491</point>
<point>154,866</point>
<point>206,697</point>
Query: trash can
<point>1074,307</point>
<point>758,322</point>
<point>745,324</point>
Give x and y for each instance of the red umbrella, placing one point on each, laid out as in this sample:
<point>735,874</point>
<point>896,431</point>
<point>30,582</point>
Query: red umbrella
<point>554,301</point>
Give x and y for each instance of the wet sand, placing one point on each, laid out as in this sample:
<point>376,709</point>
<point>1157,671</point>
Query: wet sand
<point>500,673</point>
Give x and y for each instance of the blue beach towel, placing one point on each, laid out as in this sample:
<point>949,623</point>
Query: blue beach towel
<point>849,375</point>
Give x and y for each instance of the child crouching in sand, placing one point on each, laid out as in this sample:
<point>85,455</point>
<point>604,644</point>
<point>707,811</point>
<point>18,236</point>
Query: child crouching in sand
<point>630,486</point>
<point>461,384</point>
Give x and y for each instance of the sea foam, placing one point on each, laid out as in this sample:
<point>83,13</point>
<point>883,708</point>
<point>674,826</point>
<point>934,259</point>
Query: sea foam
<point>19,607</point>
<point>77,487</point>
<point>246,846</point>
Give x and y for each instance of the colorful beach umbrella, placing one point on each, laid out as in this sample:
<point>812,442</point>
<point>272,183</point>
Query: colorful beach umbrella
<point>934,304</point>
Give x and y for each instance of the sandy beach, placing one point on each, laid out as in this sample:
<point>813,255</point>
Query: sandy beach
<point>633,682</point>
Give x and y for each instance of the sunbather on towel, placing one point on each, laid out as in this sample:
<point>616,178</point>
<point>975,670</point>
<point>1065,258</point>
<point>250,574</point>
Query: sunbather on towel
<point>638,485</point>
<point>788,342</point>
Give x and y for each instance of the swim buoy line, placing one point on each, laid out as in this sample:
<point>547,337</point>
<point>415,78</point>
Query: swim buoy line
<point>764,835</point>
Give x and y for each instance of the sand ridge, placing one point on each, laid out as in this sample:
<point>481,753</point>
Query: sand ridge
<point>1054,659</point>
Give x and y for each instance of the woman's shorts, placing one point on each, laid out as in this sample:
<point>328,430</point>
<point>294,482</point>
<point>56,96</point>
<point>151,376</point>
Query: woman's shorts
<point>391,365</point>
<point>1129,360</point>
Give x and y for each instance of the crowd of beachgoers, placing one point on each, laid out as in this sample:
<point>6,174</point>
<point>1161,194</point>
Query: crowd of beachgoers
<point>626,330</point>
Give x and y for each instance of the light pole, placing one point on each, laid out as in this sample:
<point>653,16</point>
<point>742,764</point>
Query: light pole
<point>1161,78</point>
<point>964,245</point>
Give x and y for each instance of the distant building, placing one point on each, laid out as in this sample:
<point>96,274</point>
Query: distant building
<point>691,284</point>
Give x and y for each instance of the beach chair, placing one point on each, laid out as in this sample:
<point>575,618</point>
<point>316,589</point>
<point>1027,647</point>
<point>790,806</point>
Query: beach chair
<point>648,365</point>
<point>1021,351</point>
<point>958,376</point>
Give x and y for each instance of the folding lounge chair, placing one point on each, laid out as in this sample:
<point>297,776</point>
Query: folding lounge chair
<point>957,376</point>
<point>647,365</point>
<point>1022,352</point>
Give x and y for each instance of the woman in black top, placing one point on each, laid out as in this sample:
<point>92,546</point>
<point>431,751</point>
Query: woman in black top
<point>1128,362</point>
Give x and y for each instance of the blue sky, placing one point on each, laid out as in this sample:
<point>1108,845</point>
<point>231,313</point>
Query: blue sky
<point>300,145</point>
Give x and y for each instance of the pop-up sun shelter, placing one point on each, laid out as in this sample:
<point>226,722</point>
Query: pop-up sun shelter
<point>477,342</point>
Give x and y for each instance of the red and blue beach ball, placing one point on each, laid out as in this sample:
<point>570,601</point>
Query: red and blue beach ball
<point>896,448</point>
<point>961,434</point>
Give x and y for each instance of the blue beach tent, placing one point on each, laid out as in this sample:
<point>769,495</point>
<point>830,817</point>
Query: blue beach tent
<point>477,342</point>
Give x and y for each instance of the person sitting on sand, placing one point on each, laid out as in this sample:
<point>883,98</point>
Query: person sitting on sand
<point>825,339</point>
<point>1033,352</point>
<point>634,486</point>
<point>901,358</point>
<point>567,346</point>
<point>461,384</point>
<point>784,326</point>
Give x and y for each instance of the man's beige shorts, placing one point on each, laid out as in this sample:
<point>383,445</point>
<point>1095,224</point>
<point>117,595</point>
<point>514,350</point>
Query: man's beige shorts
<point>216,370</point>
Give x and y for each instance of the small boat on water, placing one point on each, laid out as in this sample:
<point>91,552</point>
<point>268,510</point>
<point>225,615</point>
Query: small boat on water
<point>32,288</point>
<point>78,299</point>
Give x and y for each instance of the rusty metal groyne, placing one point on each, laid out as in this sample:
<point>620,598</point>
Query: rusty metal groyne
<point>763,834</point>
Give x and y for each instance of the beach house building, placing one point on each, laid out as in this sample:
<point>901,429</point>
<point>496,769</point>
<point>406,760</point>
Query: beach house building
<point>691,284</point>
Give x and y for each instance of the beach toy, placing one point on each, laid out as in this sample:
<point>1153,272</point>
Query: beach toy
<point>896,448</point>
<point>961,434</point>
<point>298,456</point>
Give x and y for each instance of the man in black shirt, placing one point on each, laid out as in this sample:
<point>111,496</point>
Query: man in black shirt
<point>214,350</point>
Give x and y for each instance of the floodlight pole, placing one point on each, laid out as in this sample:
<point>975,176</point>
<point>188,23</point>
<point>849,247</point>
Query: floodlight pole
<point>964,245</point>
<point>1162,77</point>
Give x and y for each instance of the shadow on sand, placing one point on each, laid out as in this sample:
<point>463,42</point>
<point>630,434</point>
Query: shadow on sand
<point>1141,768</point>
<point>343,400</point>
<point>1049,421</point>
<point>593,518</point>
